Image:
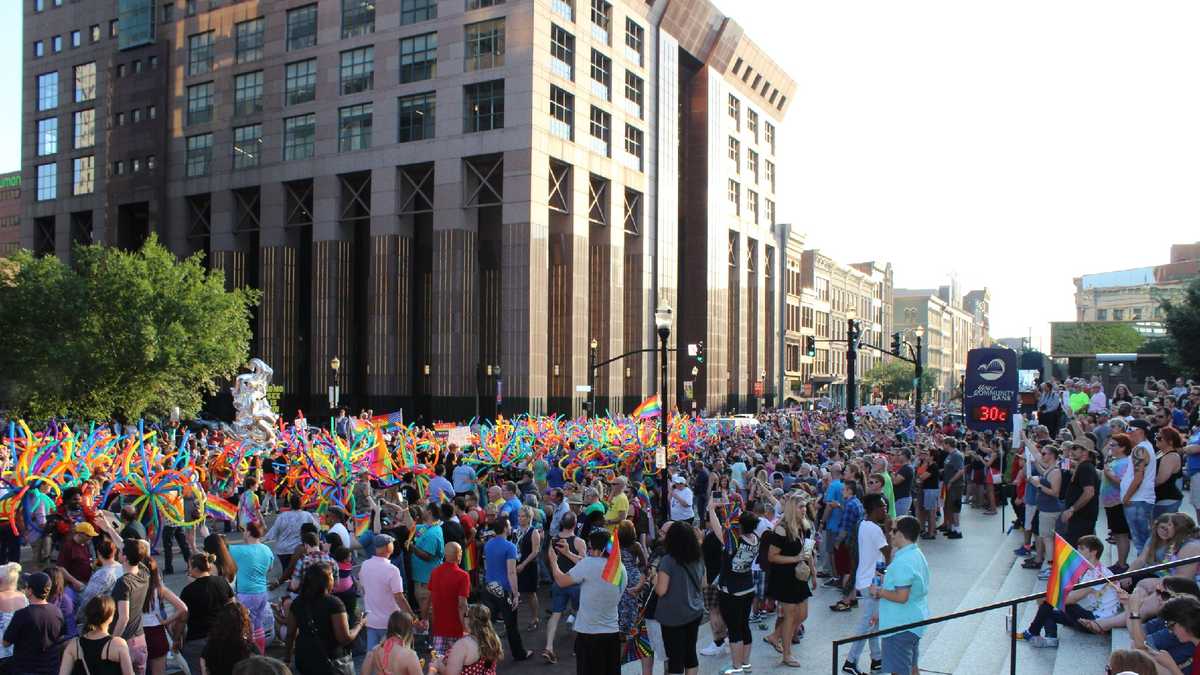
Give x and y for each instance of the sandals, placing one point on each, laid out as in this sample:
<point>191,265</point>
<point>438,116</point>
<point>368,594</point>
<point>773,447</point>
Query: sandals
<point>776,645</point>
<point>791,662</point>
<point>549,656</point>
<point>842,606</point>
<point>1090,626</point>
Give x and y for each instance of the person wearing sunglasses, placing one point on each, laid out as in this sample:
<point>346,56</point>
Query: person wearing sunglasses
<point>1177,645</point>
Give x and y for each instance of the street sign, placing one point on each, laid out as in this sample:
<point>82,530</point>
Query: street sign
<point>693,349</point>
<point>990,395</point>
<point>660,458</point>
<point>583,388</point>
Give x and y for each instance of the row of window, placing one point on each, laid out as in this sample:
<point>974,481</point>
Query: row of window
<point>416,114</point>
<point>735,198</point>
<point>1134,313</point>
<point>735,113</point>
<point>56,43</point>
<point>752,160</point>
<point>601,18</point>
<point>83,178</point>
<point>562,124</point>
<point>85,86</point>
<point>768,92</point>
<point>562,62</point>
<point>84,124</point>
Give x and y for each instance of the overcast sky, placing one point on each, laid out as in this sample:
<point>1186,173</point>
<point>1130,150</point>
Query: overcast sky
<point>1015,144</point>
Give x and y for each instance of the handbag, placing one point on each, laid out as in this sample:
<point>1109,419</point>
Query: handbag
<point>803,570</point>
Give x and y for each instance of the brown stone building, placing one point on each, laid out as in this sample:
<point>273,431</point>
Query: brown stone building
<point>10,213</point>
<point>453,197</point>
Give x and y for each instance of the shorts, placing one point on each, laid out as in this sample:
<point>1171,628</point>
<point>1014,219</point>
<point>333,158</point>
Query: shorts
<point>1047,523</point>
<point>561,597</point>
<point>760,583</point>
<point>1116,519</point>
<point>929,499</point>
<point>710,597</point>
<point>954,500</point>
<point>156,642</point>
<point>900,652</point>
<point>138,653</point>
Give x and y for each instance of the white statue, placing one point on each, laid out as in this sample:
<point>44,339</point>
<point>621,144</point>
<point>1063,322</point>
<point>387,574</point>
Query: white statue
<point>254,420</point>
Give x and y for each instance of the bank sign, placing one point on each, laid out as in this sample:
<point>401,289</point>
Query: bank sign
<point>991,389</point>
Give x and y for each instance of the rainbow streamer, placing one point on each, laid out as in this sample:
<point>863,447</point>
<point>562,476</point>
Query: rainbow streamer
<point>220,508</point>
<point>614,570</point>
<point>1067,567</point>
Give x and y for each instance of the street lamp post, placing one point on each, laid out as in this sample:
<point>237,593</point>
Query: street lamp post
<point>695,376</point>
<point>920,369</point>
<point>851,368</point>
<point>591,404</point>
<point>662,321</point>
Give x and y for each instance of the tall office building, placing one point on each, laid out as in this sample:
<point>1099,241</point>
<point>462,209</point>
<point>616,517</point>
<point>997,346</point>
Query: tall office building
<point>452,197</point>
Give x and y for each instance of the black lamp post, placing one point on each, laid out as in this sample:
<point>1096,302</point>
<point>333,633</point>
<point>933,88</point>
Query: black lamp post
<point>920,368</point>
<point>662,321</point>
<point>851,369</point>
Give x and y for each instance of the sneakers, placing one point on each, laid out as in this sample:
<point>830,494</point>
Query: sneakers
<point>1044,574</point>
<point>732,671</point>
<point>1043,642</point>
<point>954,535</point>
<point>876,665</point>
<point>1023,551</point>
<point>755,617</point>
<point>851,669</point>
<point>571,619</point>
<point>714,649</point>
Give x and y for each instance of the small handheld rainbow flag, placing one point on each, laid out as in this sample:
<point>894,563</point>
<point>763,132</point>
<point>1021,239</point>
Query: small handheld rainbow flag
<point>471,556</point>
<point>614,570</point>
<point>219,508</point>
<point>648,408</point>
<point>1067,567</point>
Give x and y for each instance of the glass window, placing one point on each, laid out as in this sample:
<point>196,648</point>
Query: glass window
<point>120,119</point>
<point>562,113</point>
<point>118,168</point>
<point>358,70</point>
<point>354,127</point>
<point>483,106</point>
<point>248,93</point>
<point>76,39</point>
<point>137,65</point>
<point>114,28</point>
<point>56,43</point>
<point>418,58</point>
<point>635,93</point>
<point>120,70</point>
<point>635,41</point>
<point>601,75</point>
<point>153,61</point>
<point>735,196</point>
<point>484,44</point>
<point>477,4</point>
<point>416,115</point>
<point>150,163</point>
<point>47,136</point>
<point>565,8</point>
<point>249,40</point>
<point>1102,315</point>
<point>562,48</point>
<point>770,211</point>
<point>199,155</point>
<point>39,49</point>
<point>735,154</point>
<point>752,123</point>
<point>168,12</point>
<point>83,175</point>
<point>39,5</point>
<point>135,165</point>
<point>302,27</point>
<point>752,204</point>
<point>200,53</point>
<point>85,128</point>
<point>635,144</point>
<point>769,170</point>
<point>247,146</point>
<point>601,20</point>
<point>299,135</point>
<point>94,33</point>
<point>769,135</point>
<point>1118,315</point>
<point>47,182</point>
<point>600,129</point>
<point>200,103</point>
<point>47,91</point>
<point>752,164</point>
<point>413,11</point>
<point>735,111</point>
<point>358,17</point>
<point>152,112</point>
<point>137,115</point>
<point>300,81</point>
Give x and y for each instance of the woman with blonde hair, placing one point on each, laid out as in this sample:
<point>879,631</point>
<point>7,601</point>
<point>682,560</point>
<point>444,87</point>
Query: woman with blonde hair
<point>395,655</point>
<point>10,600</point>
<point>98,652</point>
<point>478,652</point>
<point>529,546</point>
<point>790,546</point>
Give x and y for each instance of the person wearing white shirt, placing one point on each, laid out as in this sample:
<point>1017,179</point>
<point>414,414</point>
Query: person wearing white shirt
<point>681,500</point>
<point>1137,485</point>
<point>873,549</point>
<point>1099,401</point>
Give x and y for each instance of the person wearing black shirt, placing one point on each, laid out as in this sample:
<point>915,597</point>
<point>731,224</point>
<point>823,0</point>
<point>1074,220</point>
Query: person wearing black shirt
<point>711,550</point>
<point>36,632</point>
<point>902,481</point>
<point>452,530</point>
<point>1083,507</point>
<point>130,595</point>
<point>204,596</point>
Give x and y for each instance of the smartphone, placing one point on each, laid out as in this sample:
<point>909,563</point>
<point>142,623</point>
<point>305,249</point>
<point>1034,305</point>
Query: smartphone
<point>809,544</point>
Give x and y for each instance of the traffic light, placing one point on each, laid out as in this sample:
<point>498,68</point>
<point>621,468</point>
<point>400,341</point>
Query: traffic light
<point>810,346</point>
<point>700,352</point>
<point>895,344</point>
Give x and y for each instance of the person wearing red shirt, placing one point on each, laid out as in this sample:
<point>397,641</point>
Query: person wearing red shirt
<point>449,587</point>
<point>75,556</point>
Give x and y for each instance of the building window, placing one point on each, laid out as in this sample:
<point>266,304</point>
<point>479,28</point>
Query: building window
<point>564,8</point>
<point>635,144</point>
<point>299,136</point>
<point>735,112</point>
<point>1118,315</point>
<point>635,94</point>
<point>39,49</point>
<point>94,33</point>
<point>120,119</point>
<point>1137,313</point>
<point>770,211</point>
<point>1102,315</point>
<point>769,136</point>
<point>118,168</point>
<point>358,17</point>
<point>135,165</point>
<point>200,53</point>
<point>120,70</point>
<point>480,4</point>
<point>483,106</point>
<point>199,155</point>
<point>735,196</point>
<point>601,75</point>
<point>601,20</point>
<point>416,114</point>
<point>250,40</point>
<point>484,45</point>
<point>85,128</point>
<point>302,27</point>
<point>358,70</point>
<point>354,127</point>
<point>752,123</point>
<point>47,136</point>
<point>114,29</point>
<point>39,5</point>
<point>248,93</point>
<point>47,182</point>
<point>152,112</point>
<point>153,61</point>
<point>150,162</point>
<point>414,11</point>
<point>752,205</point>
<point>418,58</point>
<point>300,81</point>
<point>752,164</point>
<point>168,11</point>
<point>47,91</point>
<point>56,43</point>
<point>137,65</point>
<point>83,175</point>
<point>635,41</point>
<point>735,154</point>
<point>769,170</point>
<point>562,113</point>
<point>562,51</point>
<point>200,103</point>
<point>600,129</point>
<point>247,146</point>
<point>76,39</point>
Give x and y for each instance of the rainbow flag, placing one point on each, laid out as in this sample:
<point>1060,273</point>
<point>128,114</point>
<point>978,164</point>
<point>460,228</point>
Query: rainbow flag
<point>219,508</point>
<point>471,556</point>
<point>393,419</point>
<point>614,571</point>
<point>648,408</point>
<point>362,524</point>
<point>1067,567</point>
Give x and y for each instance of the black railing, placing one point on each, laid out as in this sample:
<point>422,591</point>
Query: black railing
<point>1011,604</point>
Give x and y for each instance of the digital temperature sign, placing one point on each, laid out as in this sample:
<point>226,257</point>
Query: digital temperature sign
<point>990,397</point>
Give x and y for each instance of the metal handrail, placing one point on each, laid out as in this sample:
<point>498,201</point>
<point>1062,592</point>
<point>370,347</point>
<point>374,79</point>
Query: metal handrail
<point>1012,604</point>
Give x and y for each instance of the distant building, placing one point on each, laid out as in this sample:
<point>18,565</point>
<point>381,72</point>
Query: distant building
<point>1136,294</point>
<point>10,213</point>
<point>953,325</point>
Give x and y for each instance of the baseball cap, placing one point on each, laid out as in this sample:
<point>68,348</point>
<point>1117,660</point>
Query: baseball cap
<point>382,540</point>
<point>86,528</point>
<point>1140,424</point>
<point>679,480</point>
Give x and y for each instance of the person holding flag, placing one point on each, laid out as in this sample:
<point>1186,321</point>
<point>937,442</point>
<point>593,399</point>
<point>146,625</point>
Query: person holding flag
<point>602,580</point>
<point>1066,605</point>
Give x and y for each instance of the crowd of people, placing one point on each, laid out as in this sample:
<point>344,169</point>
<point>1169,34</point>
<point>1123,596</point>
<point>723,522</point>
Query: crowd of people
<point>754,525</point>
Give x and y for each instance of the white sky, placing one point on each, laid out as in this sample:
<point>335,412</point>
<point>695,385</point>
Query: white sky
<point>1017,144</point>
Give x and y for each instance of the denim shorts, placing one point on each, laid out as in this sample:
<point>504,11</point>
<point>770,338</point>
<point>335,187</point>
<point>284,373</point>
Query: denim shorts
<point>929,499</point>
<point>560,597</point>
<point>900,652</point>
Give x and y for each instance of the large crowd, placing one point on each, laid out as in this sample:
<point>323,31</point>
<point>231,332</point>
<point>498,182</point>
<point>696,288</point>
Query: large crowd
<point>418,578</point>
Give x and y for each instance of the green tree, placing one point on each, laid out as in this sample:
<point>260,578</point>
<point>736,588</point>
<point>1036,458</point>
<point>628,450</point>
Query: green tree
<point>119,333</point>
<point>895,379</point>
<point>1183,330</point>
